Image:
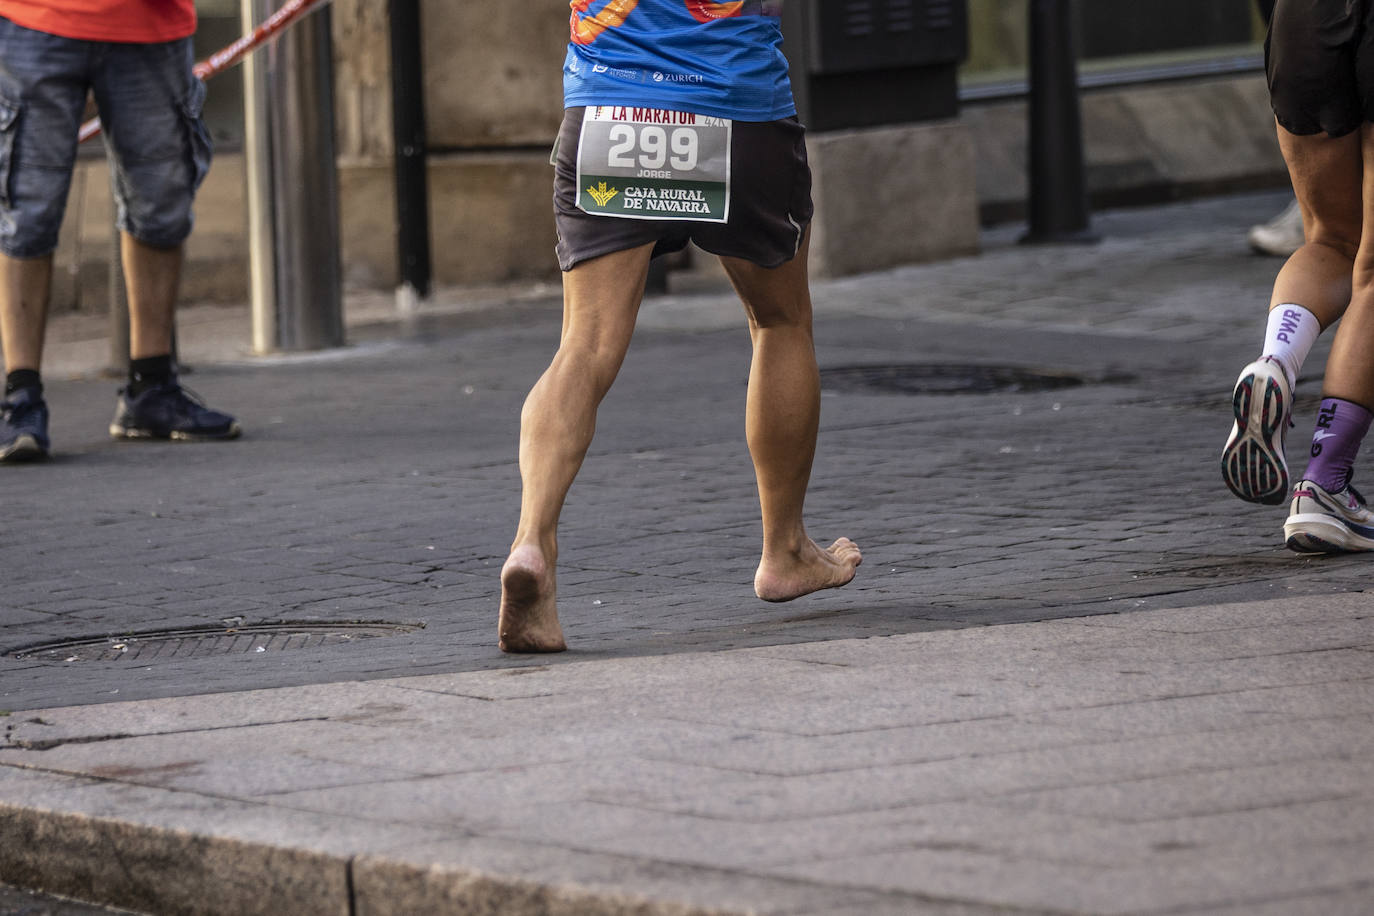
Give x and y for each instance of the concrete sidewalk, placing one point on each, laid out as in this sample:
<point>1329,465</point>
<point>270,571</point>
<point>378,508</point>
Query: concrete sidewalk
<point>1073,676</point>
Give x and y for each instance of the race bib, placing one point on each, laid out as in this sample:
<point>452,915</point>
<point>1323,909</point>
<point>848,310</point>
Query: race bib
<point>647,163</point>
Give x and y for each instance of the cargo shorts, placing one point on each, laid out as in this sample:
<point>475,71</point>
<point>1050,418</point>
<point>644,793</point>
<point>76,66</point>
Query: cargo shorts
<point>155,140</point>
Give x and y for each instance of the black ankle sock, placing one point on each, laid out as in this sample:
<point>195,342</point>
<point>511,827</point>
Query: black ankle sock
<point>148,372</point>
<point>23,378</point>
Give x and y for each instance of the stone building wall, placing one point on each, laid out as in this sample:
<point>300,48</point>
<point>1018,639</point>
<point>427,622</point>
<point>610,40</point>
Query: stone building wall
<point>493,103</point>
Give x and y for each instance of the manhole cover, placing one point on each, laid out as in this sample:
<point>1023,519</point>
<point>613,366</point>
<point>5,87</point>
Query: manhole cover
<point>200,642</point>
<point>949,378</point>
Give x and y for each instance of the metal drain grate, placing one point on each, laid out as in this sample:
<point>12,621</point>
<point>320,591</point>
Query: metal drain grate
<point>202,642</point>
<point>944,378</point>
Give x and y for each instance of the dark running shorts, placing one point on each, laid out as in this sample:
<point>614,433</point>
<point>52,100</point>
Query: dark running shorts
<point>770,204</point>
<point>1319,57</point>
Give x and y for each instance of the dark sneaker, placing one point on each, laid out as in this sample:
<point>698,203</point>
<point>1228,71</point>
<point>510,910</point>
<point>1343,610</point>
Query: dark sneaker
<point>168,411</point>
<point>1324,522</point>
<point>24,426</point>
<point>1253,463</point>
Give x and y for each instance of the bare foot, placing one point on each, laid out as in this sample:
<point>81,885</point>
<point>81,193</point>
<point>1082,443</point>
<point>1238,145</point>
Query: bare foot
<point>529,613</point>
<point>814,569</point>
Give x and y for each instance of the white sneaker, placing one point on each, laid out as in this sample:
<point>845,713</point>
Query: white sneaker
<point>1252,463</point>
<point>1281,236</point>
<point>1322,522</point>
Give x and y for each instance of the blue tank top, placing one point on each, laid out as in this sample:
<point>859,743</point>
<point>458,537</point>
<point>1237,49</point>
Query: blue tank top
<point>721,59</point>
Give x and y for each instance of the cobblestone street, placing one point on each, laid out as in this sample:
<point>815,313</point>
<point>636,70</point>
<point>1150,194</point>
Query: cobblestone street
<point>1149,704</point>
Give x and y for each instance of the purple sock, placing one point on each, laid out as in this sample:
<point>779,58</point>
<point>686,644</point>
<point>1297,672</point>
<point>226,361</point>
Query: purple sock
<point>1341,426</point>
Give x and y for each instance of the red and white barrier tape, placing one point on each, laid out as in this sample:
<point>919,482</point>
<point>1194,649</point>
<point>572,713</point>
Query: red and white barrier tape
<point>231,54</point>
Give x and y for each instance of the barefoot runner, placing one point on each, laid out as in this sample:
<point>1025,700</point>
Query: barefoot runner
<point>679,126</point>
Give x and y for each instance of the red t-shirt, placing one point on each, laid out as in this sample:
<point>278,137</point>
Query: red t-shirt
<point>105,20</point>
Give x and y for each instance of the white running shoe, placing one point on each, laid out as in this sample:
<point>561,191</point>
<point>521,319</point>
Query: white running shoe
<point>1322,522</point>
<point>1281,236</point>
<point>1253,463</point>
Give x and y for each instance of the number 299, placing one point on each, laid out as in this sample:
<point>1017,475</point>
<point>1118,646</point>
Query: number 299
<point>653,147</point>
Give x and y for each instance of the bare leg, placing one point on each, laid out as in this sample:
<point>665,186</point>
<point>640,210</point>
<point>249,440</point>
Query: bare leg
<point>600,302</point>
<point>1350,368</point>
<point>1326,177</point>
<point>152,276</point>
<point>782,420</point>
<point>25,286</point>
<point>1312,292</point>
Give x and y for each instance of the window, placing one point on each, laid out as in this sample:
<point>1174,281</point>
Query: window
<point>1119,41</point>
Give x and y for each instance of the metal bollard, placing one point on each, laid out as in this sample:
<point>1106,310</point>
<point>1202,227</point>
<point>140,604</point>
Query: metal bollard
<point>118,309</point>
<point>1058,209</point>
<point>408,133</point>
<point>293,197</point>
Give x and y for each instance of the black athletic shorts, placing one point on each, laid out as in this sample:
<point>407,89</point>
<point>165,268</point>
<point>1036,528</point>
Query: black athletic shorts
<point>770,204</point>
<point>1319,57</point>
